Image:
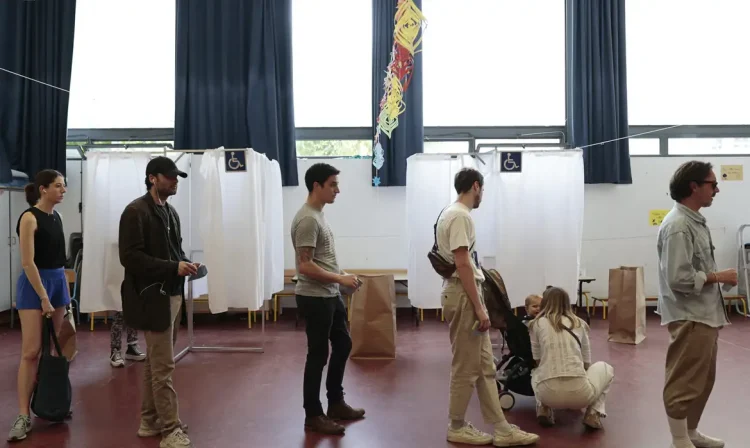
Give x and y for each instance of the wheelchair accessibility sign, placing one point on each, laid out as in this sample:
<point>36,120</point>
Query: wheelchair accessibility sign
<point>235,161</point>
<point>510,162</point>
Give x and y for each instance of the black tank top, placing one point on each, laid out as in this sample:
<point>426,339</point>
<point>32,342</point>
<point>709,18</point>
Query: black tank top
<point>49,239</point>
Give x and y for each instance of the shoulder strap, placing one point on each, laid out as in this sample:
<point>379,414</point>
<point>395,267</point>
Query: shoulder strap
<point>565,327</point>
<point>48,332</point>
<point>434,228</point>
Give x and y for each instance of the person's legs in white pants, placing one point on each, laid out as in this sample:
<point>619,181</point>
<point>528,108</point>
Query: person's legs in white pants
<point>600,375</point>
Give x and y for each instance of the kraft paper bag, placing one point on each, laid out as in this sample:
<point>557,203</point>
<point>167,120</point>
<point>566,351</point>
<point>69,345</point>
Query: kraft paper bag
<point>67,337</point>
<point>373,318</point>
<point>627,305</point>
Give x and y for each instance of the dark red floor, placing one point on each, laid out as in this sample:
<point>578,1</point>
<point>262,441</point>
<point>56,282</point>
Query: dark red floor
<point>243,400</point>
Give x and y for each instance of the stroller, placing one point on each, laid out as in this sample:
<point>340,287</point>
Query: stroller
<point>515,366</point>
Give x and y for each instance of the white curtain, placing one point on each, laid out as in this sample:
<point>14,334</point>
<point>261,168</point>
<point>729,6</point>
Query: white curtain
<point>429,189</point>
<point>274,229</point>
<point>538,226</point>
<point>111,181</point>
<point>239,213</point>
<point>529,225</point>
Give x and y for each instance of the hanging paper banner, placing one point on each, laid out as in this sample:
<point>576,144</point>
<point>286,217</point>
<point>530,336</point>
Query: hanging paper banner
<point>406,39</point>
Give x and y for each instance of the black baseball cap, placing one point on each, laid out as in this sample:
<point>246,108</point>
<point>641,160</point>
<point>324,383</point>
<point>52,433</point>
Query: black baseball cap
<point>163,165</point>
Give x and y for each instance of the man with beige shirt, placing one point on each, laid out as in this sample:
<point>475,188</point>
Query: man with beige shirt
<point>691,303</point>
<point>473,362</point>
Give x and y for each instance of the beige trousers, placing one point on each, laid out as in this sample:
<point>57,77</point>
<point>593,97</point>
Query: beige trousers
<point>690,370</point>
<point>159,397</point>
<point>473,363</point>
<point>588,391</point>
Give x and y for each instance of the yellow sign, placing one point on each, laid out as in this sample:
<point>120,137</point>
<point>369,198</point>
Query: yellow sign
<point>731,172</point>
<point>655,217</point>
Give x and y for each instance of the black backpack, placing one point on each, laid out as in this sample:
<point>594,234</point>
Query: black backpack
<point>53,393</point>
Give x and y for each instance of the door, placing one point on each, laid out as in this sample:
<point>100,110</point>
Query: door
<point>5,271</point>
<point>18,205</point>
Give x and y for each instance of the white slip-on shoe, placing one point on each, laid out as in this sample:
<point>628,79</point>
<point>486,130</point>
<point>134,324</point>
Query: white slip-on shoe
<point>516,437</point>
<point>701,440</point>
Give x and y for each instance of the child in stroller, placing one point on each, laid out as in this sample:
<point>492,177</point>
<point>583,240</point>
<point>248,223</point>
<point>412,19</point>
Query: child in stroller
<point>514,369</point>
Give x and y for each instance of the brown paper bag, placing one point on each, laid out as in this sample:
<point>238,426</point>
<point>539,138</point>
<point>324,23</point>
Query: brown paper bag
<point>373,318</point>
<point>627,305</point>
<point>67,337</point>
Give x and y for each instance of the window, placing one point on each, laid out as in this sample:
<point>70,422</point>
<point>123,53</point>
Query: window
<point>494,63</point>
<point>446,147</point>
<point>644,146</point>
<point>334,148</point>
<point>708,146</point>
<point>685,62</point>
<point>123,65</point>
<point>519,144</point>
<point>332,43</point>
<point>72,154</point>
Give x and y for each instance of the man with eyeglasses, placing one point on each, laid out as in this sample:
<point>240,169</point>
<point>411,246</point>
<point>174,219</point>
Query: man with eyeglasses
<point>691,303</point>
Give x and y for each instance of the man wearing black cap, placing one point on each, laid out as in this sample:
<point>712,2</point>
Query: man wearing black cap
<point>155,266</point>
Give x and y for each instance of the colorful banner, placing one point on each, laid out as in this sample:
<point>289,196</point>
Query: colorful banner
<point>406,40</point>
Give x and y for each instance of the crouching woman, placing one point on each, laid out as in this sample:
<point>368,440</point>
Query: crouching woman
<point>564,377</point>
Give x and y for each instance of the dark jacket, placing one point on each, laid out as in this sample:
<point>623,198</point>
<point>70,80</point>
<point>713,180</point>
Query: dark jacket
<point>150,269</point>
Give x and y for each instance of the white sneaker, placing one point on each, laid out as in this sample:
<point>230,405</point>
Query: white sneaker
<point>703,441</point>
<point>516,437</point>
<point>115,359</point>
<point>469,435</point>
<point>682,443</point>
<point>176,439</point>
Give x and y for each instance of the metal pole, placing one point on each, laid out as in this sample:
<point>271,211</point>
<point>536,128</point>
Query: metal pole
<point>192,348</point>
<point>743,266</point>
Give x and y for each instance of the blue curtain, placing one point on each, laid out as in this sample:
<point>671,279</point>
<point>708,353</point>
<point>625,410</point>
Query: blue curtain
<point>234,78</point>
<point>408,138</point>
<point>597,97</point>
<point>36,40</point>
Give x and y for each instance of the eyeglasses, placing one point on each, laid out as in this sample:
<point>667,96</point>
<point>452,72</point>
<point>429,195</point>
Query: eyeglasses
<point>713,183</point>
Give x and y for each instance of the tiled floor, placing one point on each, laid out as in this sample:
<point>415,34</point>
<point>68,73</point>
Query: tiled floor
<point>254,400</point>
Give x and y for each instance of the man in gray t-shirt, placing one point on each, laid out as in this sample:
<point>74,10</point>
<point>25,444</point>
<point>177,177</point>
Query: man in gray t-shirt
<point>310,230</point>
<point>321,305</point>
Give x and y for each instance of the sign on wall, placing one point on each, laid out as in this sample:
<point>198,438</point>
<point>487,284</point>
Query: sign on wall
<point>235,161</point>
<point>731,172</point>
<point>655,217</point>
<point>510,162</point>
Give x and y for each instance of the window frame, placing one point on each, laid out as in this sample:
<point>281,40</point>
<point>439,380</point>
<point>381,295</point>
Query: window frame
<point>662,132</point>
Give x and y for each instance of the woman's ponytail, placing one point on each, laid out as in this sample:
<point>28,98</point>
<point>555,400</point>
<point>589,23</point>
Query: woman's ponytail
<point>32,194</point>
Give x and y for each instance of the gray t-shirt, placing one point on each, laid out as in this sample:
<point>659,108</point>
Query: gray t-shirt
<point>310,229</point>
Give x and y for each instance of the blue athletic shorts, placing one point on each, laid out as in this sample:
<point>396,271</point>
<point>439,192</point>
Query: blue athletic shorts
<point>54,282</point>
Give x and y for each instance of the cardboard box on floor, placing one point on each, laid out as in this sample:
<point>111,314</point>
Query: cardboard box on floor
<point>373,318</point>
<point>627,305</point>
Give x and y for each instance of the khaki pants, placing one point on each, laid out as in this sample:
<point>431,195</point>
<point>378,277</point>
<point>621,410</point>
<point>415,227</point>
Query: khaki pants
<point>690,370</point>
<point>159,397</point>
<point>588,391</point>
<point>473,363</point>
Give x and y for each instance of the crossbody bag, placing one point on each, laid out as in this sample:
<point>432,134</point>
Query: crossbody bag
<point>443,267</point>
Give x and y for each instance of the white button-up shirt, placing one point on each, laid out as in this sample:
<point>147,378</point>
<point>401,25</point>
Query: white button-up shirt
<point>686,257</point>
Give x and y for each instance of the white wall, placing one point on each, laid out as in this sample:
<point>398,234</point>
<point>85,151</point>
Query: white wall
<point>369,223</point>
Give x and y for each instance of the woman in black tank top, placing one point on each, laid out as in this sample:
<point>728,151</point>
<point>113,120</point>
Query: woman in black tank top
<point>42,290</point>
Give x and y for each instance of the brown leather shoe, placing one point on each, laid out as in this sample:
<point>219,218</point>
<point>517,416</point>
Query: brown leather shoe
<point>323,425</point>
<point>342,411</point>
